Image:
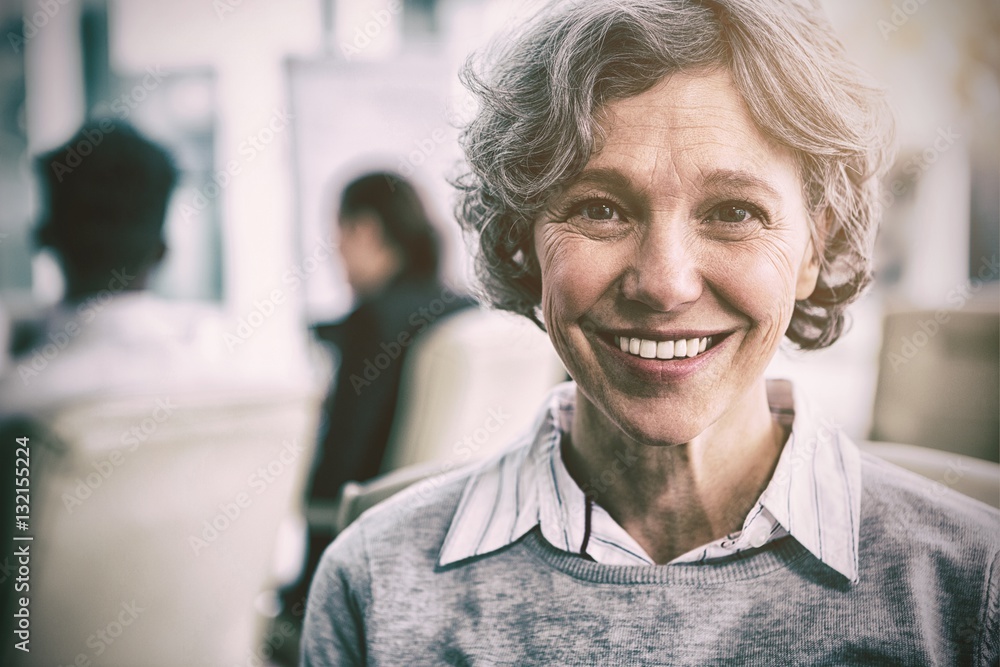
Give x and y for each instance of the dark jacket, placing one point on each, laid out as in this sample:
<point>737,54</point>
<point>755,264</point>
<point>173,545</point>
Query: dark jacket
<point>373,342</point>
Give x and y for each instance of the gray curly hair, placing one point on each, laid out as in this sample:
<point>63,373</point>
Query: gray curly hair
<point>536,128</point>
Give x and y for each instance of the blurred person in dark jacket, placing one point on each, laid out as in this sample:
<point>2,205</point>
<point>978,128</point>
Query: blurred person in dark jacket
<point>391,255</point>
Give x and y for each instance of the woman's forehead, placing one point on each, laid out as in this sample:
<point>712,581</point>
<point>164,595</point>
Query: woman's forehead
<point>689,126</point>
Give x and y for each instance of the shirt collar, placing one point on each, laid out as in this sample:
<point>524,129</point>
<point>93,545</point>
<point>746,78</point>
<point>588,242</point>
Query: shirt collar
<point>814,494</point>
<point>510,495</point>
<point>815,491</point>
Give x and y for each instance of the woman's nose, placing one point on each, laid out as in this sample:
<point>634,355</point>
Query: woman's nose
<point>664,272</point>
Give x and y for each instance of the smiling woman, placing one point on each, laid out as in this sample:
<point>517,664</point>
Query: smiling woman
<point>687,225</point>
<point>670,188</point>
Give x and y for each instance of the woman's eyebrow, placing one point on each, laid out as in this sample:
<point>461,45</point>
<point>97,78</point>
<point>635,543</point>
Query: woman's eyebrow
<point>716,179</point>
<point>603,176</point>
<point>743,181</point>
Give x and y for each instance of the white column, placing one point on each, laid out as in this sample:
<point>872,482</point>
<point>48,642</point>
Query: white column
<point>246,43</point>
<point>53,68</point>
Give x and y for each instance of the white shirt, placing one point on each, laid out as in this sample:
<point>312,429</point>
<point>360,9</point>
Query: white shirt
<point>814,496</point>
<point>127,344</point>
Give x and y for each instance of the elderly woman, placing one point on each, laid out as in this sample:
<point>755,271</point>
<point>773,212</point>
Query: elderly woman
<point>670,187</point>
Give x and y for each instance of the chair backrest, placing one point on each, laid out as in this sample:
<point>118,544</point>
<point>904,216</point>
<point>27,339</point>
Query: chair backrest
<point>155,523</point>
<point>938,384</point>
<point>358,497</point>
<point>970,476</point>
<point>470,386</point>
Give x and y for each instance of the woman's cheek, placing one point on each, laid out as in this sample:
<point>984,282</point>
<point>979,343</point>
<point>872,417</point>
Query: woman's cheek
<point>760,282</point>
<point>575,273</point>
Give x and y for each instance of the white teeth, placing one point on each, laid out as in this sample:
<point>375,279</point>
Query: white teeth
<point>664,349</point>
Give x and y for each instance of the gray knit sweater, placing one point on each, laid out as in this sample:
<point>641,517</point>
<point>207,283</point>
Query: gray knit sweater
<point>928,595</point>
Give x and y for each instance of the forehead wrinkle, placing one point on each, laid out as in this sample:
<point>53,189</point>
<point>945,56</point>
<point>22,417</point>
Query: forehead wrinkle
<point>686,145</point>
<point>641,177</point>
<point>720,162</point>
<point>686,111</point>
<point>693,143</point>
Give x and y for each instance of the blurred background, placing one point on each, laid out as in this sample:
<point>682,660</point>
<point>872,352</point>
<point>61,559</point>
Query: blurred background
<point>270,108</point>
<point>301,96</point>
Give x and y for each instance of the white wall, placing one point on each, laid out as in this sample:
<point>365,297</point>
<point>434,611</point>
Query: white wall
<point>246,43</point>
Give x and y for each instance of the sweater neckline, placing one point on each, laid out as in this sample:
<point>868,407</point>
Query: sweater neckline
<point>772,557</point>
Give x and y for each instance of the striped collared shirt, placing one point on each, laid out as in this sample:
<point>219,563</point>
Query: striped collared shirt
<point>814,495</point>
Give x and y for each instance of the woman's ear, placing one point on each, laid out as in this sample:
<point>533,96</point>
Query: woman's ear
<point>808,274</point>
<point>811,259</point>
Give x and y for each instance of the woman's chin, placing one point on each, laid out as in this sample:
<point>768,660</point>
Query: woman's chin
<point>659,423</point>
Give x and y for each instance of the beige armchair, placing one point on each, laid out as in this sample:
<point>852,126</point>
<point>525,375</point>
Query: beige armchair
<point>470,386</point>
<point>155,522</point>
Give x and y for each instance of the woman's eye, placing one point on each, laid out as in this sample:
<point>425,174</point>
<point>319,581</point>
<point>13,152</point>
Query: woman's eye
<point>599,211</point>
<point>733,212</point>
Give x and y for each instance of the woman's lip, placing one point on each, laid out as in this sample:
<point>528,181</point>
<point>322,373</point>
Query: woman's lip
<point>663,370</point>
<point>658,335</point>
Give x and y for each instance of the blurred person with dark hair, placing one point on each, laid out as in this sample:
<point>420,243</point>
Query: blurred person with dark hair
<point>105,195</point>
<point>107,212</point>
<point>391,256</point>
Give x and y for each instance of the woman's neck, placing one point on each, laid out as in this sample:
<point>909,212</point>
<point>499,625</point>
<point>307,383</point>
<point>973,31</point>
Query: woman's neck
<point>672,499</point>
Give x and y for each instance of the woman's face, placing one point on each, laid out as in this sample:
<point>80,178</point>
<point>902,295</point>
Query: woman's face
<point>369,261</point>
<point>671,265</point>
